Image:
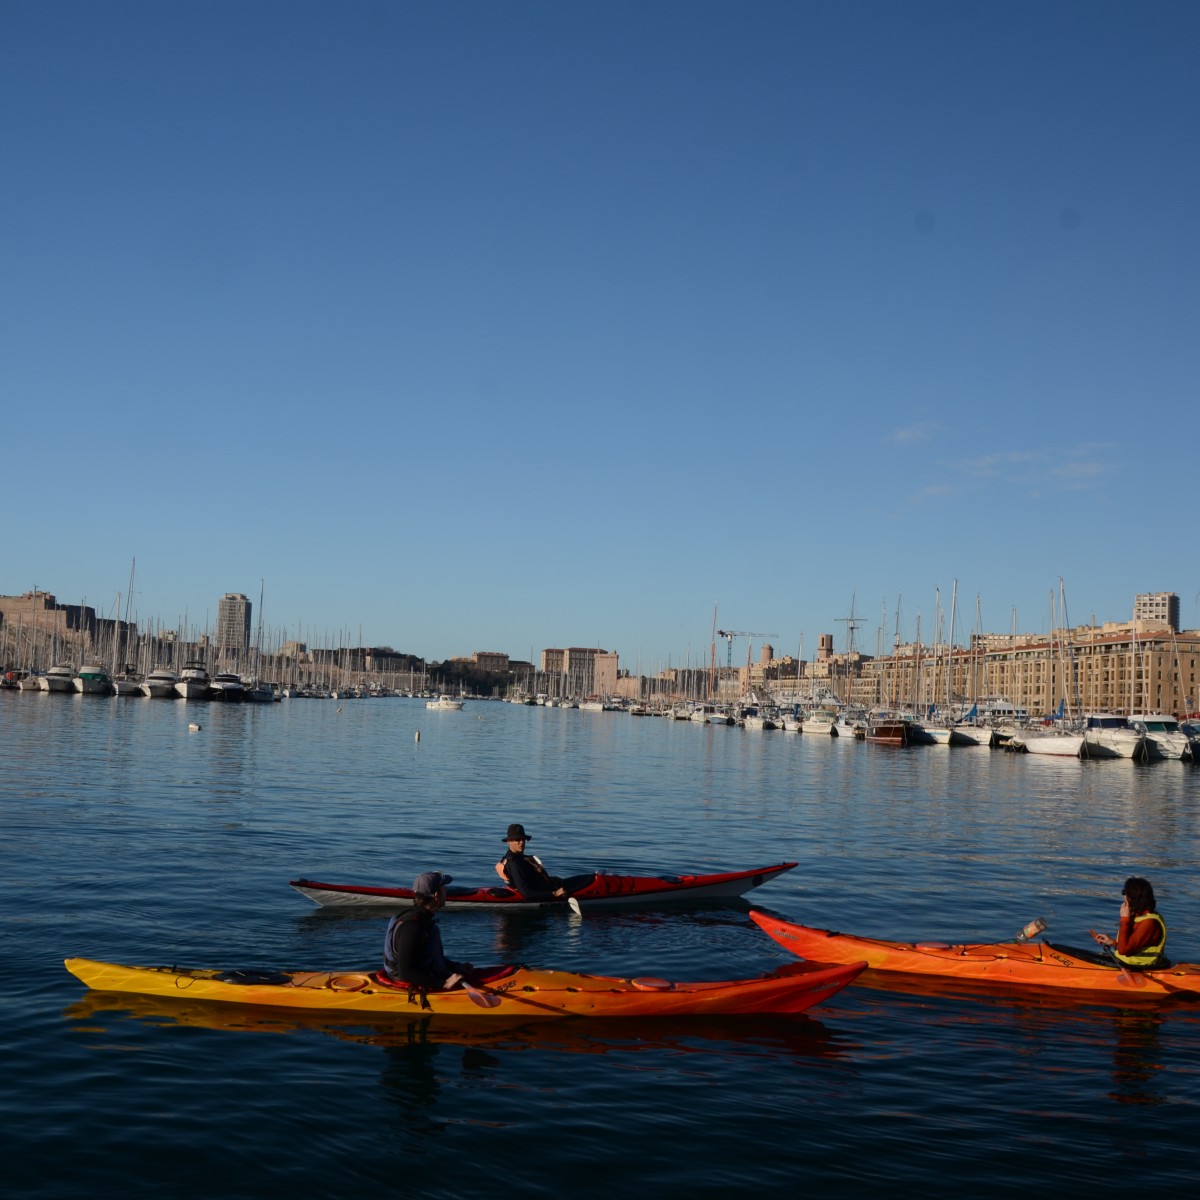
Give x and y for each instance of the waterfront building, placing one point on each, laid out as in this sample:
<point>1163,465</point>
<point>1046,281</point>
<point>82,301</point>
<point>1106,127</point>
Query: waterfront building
<point>491,660</point>
<point>1158,609</point>
<point>233,623</point>
<point>605,668</point>
<point>573,671</point>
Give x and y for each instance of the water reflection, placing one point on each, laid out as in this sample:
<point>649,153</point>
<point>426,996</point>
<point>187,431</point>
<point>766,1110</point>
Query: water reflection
<point>1137,1058</point>
<point>798,1038</point>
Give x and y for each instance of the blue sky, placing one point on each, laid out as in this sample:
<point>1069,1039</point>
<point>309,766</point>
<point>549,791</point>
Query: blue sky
<point>468,326</point>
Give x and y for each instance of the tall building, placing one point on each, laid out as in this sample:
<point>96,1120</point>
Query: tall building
<point>233,622</point>
<point>1161,608</point>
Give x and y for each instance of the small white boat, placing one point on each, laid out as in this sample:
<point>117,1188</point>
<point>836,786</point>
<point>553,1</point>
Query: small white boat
<point>1058,743</point>
<point>193,681</point>
<point>975,735</point>
<point>1164,737</point>
<point>851,725</point>
<point>1107,735</point>
<point>127,684</point>
<point>710,714</point>
<point>59,678</point>
<point>757,721</point>
<point>821,721</point>
<point>160,684</point>
<point>445,704</point>
<point>93,680</point>
<point>227,686</point>
<point>948,735</point>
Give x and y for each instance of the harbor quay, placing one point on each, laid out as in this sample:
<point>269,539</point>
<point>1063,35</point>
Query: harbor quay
<point>1146,664</point>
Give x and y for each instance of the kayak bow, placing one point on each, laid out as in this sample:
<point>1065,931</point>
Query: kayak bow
<point>997,967</point>
<point>604,891</point>
<point>792,988</point>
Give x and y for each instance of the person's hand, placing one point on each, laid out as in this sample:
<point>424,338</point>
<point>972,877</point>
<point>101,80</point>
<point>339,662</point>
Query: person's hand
<point>1125,913</point>
<point>560,893</point>
<point>1102,938</point>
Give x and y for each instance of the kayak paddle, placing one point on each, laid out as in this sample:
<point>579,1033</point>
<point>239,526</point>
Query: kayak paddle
<point>478,998</point>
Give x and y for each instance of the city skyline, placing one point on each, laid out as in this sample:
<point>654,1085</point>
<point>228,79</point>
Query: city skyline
<point>504,328</point>
<point>1151,609</point>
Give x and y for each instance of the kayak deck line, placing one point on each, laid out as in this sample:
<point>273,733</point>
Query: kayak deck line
<point>604,890</point>
<point>791,988</point>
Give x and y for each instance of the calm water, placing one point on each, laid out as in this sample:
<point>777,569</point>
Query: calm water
<point>126,837</point>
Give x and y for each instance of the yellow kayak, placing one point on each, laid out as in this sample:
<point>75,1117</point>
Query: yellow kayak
<point>507,992</point>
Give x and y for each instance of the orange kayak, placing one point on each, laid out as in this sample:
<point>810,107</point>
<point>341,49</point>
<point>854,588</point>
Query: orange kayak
<point>508,991</point>
<point>998,967</point>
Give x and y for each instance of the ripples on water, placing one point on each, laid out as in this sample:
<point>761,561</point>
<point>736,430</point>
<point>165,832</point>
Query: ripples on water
<point>125,836</point>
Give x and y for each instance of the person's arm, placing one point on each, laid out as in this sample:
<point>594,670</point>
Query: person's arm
<point>1134,937</point>
<point>529,879</point>
<point>441,967</point>
<point>1126,917</point>
<point>557,890</point>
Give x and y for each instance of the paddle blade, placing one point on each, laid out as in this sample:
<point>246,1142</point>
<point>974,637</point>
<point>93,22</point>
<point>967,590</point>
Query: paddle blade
<point>481,999</point>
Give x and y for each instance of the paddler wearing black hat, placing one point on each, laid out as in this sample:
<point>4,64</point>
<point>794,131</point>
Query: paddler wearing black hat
<point>525,872</point>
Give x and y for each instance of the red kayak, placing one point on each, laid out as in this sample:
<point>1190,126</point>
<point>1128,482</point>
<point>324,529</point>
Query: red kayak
<point>604,891</point>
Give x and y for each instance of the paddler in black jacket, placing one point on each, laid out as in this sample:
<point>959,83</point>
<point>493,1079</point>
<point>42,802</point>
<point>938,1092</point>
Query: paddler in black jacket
<point>527,875</point>
<point>412,946</point>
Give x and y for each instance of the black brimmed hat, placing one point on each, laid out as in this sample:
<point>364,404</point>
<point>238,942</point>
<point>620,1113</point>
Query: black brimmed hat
<point>516,833</point>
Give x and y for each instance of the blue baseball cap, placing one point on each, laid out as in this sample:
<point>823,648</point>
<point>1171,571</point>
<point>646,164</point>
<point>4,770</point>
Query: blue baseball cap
<point>430,883</point>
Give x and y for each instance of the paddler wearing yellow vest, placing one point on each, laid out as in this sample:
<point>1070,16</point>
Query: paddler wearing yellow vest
<point>1142,935</point>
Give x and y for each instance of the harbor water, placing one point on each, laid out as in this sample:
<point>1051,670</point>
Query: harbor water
<point>130,837</point>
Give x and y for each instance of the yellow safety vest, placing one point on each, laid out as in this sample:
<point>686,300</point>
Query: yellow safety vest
<point>1147,956</point>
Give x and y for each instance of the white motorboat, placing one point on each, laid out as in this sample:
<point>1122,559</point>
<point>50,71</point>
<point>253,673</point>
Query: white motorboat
<point>948,735</point>
<point>1164,737</point>
<point>757,721</point>
<point>160,684</point>
<point>59,678</point>
<point>1057,742</point>
<point>127,684</point>
<point>226,686</point>
<point>93,680</point>
<point>851,725</point>
<point>820,721</point>
<point>445,704</point>
<point>709,714</point>
<point>193,681</point>
<point>1107,735</point>
<point>972,734</point>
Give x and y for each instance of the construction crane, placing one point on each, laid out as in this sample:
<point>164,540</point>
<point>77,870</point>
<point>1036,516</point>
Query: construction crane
<point>730,634</point>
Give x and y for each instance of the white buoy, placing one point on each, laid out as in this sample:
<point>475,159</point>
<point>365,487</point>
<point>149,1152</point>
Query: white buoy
<point>418,737</point>
<point>194,728</point>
